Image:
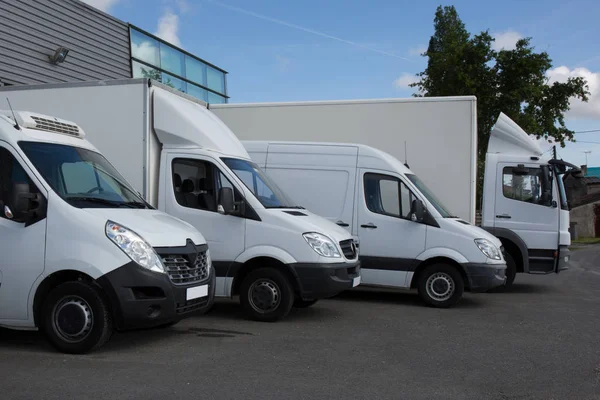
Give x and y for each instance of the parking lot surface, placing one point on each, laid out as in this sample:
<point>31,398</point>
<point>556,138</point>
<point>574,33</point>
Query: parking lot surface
<point>541,340</point>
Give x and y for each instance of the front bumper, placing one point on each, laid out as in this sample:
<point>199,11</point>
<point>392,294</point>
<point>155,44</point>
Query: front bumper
<point>483,277</point>
<point>140,298</point>
<point>319,281</point>
<point>564,258</point>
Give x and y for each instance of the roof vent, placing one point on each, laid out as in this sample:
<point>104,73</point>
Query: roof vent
<point>45,124</point>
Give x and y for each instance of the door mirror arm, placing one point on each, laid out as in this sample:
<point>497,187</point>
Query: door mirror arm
<point>417,211</point>
<point>25,206</point>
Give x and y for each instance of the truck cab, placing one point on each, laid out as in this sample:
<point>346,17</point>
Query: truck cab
<point>82,253</point>
<point>407,237</point>
<point>525,204</point>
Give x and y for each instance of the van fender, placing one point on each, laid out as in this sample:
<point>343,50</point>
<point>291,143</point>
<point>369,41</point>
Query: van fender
<point>437,252</point>
<point>265,251</point>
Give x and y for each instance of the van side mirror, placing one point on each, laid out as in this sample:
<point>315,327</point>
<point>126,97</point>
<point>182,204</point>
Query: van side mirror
<point>226,205</point>
<point>417,211</point>
<point>24,205</point>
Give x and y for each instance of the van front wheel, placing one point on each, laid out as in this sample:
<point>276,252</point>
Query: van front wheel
<point>75,318</point>
<point>440,285</point>
<point>266,295</point>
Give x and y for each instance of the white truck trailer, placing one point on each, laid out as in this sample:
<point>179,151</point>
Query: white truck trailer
<point>524,203</point>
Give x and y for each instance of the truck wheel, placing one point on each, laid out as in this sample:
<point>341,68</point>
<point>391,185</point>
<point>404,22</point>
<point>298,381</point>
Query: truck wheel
<point>75,318</point>
<point>266,295</point>
<point>440,285</point>
<point>511,270</point>
<point>299,303</point>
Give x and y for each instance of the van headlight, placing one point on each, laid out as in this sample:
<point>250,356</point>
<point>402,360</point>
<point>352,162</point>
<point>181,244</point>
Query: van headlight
<point>134,246</point>
<point>488,249</point>
<point>322,245</point>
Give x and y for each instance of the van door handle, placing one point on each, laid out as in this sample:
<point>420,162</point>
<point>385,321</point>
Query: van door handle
<point>369,225</point>
<point>504,216</point>
<point>342,223</point>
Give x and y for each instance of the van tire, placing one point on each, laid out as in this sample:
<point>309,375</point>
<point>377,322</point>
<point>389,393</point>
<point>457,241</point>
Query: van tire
<point>71,306</point>
<point>266,295</point>
<point>446,285</point>
<point>299,303</point>
<point>511,270</point>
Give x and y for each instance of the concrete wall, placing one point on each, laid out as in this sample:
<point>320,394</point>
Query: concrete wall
<point>31,30</point>
<point>585,219</point>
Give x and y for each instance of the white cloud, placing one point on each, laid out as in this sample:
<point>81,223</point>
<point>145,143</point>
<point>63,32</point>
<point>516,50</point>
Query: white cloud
<point>417,51</point>
<point>168,25</point>
<point>579,109</point>
<point>184,6</point>
<point>103,5</point>
<point>404,80</point>
<point>506,40</point>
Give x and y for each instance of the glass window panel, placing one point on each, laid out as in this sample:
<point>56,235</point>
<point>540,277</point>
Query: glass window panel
<point>145,48</point>
<point>195,70</point>
<point>215,80</point>
<point>215,98</point>
<point>197,92</point>
<point>174,82</point>
<point>143,71</point>
<point>171,60</point>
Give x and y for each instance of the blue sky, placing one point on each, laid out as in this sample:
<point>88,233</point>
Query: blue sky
<point>278,50</point>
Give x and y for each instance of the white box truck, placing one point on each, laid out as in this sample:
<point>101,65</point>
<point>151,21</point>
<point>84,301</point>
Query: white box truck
<point>82,252</point>
<point>441,138</point>
<point>186,162</point>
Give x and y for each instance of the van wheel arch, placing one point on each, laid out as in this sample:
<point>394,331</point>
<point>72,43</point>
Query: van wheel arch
<point>438,260</point>
<point>263,262</point>
<point>515,252</point>
<point>52,281</point>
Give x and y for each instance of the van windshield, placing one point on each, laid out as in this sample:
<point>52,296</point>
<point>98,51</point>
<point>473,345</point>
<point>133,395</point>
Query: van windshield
<point>437,204</point>
<point>83,178</point>
<point>265,190</point>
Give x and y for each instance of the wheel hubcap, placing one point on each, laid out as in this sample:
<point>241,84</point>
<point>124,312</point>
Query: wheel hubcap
<point>73,319</point>
<point>440,286</point>
<point>264,296</point>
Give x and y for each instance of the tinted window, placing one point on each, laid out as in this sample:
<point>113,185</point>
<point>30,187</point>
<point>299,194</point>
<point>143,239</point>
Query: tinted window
<point>387,195</point>
<point>11,172</point>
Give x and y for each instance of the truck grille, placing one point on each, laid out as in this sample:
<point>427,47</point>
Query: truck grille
<point>181,271</point>
<point>348,248</point>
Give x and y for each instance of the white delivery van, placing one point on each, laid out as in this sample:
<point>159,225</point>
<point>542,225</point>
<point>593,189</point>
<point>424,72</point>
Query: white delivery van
<point>407,238</point>
<point>186,162</point>
<point>82,252</point>
<point>439,136</point>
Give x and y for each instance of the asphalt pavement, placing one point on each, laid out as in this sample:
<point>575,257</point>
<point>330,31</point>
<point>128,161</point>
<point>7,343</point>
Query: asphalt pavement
<point>540,340</point>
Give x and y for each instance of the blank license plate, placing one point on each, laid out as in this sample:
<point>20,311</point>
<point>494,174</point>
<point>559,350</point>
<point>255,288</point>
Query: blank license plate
<point>356,282</point>
<point>196,292</point>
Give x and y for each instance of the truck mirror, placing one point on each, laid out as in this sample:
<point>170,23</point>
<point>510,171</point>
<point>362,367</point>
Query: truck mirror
<point>226,205</point>
<point>23,204</point>
<point>417,211</point>
<point>520,170</point>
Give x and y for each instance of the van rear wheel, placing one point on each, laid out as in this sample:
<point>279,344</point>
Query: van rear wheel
<point>440,285</point>
<point>266,295</point>
<point>75,318</point>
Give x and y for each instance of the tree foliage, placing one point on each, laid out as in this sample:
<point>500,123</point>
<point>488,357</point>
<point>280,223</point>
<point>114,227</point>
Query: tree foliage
<point>510,81</point>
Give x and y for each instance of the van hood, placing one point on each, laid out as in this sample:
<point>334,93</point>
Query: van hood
<point>305,221</point>
<point>465,229</point>
<point>155,227</point>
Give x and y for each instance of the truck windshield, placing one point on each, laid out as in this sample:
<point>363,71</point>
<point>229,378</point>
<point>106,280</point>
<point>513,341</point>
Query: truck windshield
<point>430,196</point>
<point>83,178</point>
<point>265,190</point>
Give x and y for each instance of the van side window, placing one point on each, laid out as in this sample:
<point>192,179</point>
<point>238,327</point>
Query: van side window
<point>11,172</point>
<point>196,184</point>
<point>527,188</point>
<point>387,195</point>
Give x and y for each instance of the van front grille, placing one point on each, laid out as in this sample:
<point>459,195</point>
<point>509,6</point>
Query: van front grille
<point>181,271</point>
<point>348,248</point>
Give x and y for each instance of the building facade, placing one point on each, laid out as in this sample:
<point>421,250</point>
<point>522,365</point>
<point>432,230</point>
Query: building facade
<point>55,41</point>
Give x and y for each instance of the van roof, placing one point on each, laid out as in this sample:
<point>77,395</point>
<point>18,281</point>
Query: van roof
<point>368,157</point>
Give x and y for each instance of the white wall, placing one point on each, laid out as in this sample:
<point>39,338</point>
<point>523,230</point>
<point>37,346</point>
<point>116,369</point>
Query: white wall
<point>440,135</point>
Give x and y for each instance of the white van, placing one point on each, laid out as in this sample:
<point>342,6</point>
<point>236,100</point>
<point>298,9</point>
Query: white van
<point>186,162</point>
<point>407,238</point>
<point>82,252</point>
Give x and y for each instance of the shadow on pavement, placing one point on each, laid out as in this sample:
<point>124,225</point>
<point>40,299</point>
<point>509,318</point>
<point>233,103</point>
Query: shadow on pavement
<point>401,298</point>
<point>232,311</point>
<point>524,288</point>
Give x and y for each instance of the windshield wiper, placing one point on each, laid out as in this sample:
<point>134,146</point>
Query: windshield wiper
<point>131,204</point>
<point>451,216</point>
<point>137,204</point>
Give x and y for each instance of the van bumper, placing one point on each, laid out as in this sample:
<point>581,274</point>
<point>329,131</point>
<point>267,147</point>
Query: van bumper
<point>564,258</point>
<point>483,277</point>
<point>319,281</point>
<point>140,298</point>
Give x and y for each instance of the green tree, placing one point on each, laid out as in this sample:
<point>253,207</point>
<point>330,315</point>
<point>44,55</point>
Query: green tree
<point>510,81</point>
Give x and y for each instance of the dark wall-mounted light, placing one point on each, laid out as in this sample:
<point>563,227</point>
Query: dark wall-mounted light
<point>59,55</point>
